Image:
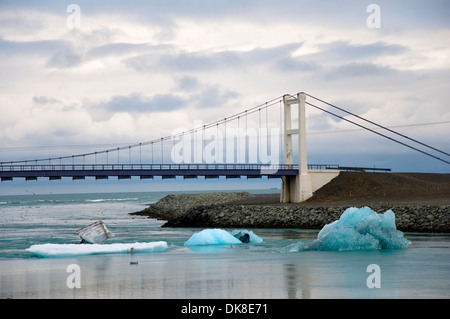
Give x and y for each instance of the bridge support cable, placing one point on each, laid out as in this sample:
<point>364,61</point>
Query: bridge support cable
<point>151,143</point>
<point>378,133</point>
<point>378,125</point>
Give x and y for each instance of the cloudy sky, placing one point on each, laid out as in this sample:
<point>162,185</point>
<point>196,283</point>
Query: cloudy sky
<point>131,71</point>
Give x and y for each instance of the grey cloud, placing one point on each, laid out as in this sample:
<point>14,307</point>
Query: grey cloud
<point>187,83</point>
<point>213,96</point>
<point>114,49</point>
<point>57,53</point>
<point>190,61</point>
<point>42,100</point>
<point>207,61</point>
<point>183,61</point>
<point>338,52</point>
<point>143,63</point>
<point>135,102</point>
<point>27,25</point>
<point>65,58</point>
<point>401,13</point>
<point>167,102</point>
<point>297,64</point>
<point>359,70</point>
<point>118,49</point>
<point>340,58</point>
<point>44,47</point>
<point>205,97</point>
<point>345,50</point>
<point>263,55</point>
<point>318,122</point>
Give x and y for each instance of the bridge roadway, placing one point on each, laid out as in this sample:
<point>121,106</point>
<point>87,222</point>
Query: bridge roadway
<point>166,171</point>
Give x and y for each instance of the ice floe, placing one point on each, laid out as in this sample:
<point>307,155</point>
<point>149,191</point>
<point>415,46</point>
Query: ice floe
<point>217,236</point>
<point>69,250</point>
<point>357,229</point>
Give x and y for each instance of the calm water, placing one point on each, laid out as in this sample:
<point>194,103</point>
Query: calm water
<point>243,271</point>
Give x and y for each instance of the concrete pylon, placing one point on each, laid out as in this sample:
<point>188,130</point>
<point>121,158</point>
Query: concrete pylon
<point>295,189</point>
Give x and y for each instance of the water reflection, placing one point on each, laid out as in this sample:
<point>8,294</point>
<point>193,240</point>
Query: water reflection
<point>297,277</point>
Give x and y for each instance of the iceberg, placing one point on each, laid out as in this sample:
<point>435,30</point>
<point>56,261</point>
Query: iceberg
<point>70,250</point>
<point>219,236</point>
<point>95,233</point>
<point>214,236</point>
<point>358,229</point>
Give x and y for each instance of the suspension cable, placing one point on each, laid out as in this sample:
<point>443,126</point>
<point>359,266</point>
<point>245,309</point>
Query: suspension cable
<point>162,139</point>
<point>378,133</point>
<point>376,124</point>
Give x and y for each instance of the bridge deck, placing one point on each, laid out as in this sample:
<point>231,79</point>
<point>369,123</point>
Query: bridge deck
<point>102,171</point>
<point>150,170</point>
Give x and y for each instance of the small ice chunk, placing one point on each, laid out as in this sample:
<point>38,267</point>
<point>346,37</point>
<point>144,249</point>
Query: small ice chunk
<point>246,236</point>
<point>388,219</point>
<point>214,236</point>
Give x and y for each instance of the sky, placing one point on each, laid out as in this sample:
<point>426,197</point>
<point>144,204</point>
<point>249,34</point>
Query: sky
<point>89,75</point>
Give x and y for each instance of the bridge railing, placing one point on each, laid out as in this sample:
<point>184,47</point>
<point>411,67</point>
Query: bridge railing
<point>108,167</point>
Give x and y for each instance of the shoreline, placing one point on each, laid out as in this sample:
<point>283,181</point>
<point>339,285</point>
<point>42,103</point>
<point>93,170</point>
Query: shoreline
<point>245,210</point>
<point>420,202</point>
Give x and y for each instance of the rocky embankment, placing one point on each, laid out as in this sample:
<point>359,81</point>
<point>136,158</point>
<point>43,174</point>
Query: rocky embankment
<point>244,210</point>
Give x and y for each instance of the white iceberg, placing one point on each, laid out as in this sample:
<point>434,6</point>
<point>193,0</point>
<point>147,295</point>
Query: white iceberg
<point>70,250</point>
<point>358,229</point>
<point>95,233</point>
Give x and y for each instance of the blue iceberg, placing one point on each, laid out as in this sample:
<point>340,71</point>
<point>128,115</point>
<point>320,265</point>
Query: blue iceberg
<point>358,229</point>
<point>212,237</point>
<point>219,236</point>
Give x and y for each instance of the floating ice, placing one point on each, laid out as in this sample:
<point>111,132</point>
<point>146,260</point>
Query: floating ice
<point>218,236</point>
<point>69,250</point>
<point>246,236</point>
<point>358,229</point>
<point>95,233</point>
<point>214,236</point>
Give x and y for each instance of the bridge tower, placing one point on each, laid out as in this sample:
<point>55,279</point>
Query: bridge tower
<point>296,189</point>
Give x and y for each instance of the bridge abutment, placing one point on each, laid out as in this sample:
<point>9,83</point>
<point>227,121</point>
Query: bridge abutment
<point>296,189</point>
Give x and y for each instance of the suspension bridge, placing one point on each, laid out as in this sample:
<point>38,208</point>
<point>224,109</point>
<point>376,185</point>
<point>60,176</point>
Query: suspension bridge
<point>266,140</point>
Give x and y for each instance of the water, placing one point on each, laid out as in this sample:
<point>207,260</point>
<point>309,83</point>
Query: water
<point>263,270</point>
